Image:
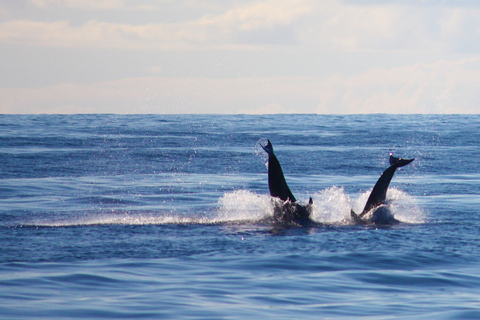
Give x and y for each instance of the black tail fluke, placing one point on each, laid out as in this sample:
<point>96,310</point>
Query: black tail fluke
<point>268,148</point>
<point>399,162</point>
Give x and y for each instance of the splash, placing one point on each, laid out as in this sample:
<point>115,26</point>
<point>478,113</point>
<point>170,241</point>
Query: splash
<point>330,206</point>
<point>118,218</point>
<point>403,206</point>
<point>243,205</point>
<point>234,207</point>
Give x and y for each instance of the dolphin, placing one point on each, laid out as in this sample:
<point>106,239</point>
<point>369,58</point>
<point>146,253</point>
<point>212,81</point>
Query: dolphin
<point>286,207</point>
<point>377,199</point>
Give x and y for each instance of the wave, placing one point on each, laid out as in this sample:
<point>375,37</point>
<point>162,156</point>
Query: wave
<point>113,218</point>
<point>330,206</point>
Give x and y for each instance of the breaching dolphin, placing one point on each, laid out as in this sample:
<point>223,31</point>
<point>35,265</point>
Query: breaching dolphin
<point>286,208</point>
<point>375,203</point>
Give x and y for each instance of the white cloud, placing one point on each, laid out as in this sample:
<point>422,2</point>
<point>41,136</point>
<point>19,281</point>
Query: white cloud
<point>442,87</point>
<point>295,36</point>
<point>329,25</point>
<point>258,15</point>
<point>79,4</point>
<point>93,34</point>
<point>231,29</point>
<point>394,26</point>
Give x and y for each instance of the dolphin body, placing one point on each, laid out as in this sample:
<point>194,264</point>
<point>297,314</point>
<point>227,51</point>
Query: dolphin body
<point>377,199</point>
<point>286,208</point>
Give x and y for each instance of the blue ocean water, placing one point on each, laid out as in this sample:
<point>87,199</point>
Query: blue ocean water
<point>166,217</point>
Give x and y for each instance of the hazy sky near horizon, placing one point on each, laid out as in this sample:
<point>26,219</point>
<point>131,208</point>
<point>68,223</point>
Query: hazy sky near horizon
<point>251,56</point>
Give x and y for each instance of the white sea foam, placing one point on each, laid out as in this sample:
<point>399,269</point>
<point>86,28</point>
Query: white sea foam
<point>404,207</point>
<point>401,205</point>
<point>330,206</point>
<point>120,218</point>
<point>244,205</point>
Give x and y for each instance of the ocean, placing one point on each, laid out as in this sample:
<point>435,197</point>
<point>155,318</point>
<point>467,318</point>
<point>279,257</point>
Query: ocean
<point>169,217</point>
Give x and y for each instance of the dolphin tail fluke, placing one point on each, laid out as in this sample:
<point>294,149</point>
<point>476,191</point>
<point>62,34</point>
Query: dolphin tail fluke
<point>399,162</point>
<point>268,148</point>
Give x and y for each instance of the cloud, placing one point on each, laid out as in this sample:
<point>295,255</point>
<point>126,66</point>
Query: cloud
<point>325,25</point>
<point>258,15</point>
<point>442,87</point>
<point>152,95</point>
<point>231,29</point>
<point>278,56</point>
<point>400,26</point>
<point>79,4</point>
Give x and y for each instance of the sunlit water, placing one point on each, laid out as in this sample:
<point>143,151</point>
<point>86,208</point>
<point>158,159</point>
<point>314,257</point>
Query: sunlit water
<point>169,217</point>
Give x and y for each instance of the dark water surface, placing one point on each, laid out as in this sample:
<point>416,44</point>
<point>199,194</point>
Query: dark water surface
<point>167,217</point>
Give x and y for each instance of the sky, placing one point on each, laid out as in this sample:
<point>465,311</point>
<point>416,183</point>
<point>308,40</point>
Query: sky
<point>239,57</point>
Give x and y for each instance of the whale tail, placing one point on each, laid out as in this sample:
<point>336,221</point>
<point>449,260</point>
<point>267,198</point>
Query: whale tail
<point>288,210</point>
<point>399,162</point>
<point>378,195</point>
<point>268,148</point>
<point>276,180</point>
